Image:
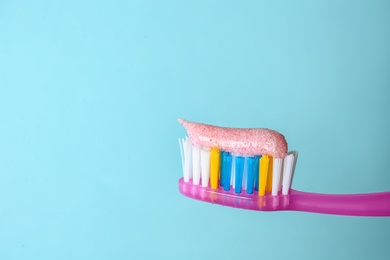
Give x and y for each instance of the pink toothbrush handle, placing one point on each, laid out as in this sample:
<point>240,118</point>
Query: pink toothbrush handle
<point>370,204</point>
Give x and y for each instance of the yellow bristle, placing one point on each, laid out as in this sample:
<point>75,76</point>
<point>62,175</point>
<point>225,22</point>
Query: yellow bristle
<point>214,168</point>
<point>268,187</point>
<point>264,162</point>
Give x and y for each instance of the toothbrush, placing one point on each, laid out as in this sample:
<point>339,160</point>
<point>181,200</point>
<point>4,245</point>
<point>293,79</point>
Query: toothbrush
<point>251,168</point>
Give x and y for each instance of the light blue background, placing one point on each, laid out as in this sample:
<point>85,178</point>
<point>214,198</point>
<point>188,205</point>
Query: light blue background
<point>90,92</point>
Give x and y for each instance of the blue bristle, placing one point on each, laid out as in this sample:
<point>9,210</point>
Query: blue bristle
<point>239,171</point>
<point>252,172</point>
<point>257,165</point>
<point>226,169</point>
<point>251,168</point>
<point>221,168</point>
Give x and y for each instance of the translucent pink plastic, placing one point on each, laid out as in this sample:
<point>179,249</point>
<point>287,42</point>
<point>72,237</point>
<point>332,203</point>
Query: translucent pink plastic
<point>370,204</point>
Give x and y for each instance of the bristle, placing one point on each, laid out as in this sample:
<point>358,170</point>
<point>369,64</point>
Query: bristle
<point>233,174</point>
<point>245,174</point>
<point>276,172</point>
<point>226,170</point>
<point>251,172</point>
<point>195,165</point>
<point>181,153</point>
<point>264,162</point>
<point>239,172</point>
<point>257,172</point>
<point>295,164</point>
<point>213,168</point>
<point>186,148</point>
<point>289,164</point>
<point>205,166</point>
<point>268,187</point>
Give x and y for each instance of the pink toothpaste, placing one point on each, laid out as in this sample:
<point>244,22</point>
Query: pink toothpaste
<point>242,141</point>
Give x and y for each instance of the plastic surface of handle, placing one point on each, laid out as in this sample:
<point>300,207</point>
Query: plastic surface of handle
<point>366,204</point>
<point>370,204</point>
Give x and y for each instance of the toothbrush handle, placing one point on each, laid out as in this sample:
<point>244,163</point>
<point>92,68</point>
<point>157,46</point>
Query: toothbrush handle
<point>370,204</point>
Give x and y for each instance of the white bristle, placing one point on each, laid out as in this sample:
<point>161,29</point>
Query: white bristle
<point>295,164</point>
<point>195,165</point>
<point>276,172</point>
<point>281,176</point>
<point>288,168</point>
<point>187,158</point>
<point>181,144</point>
<point>205,166</point>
